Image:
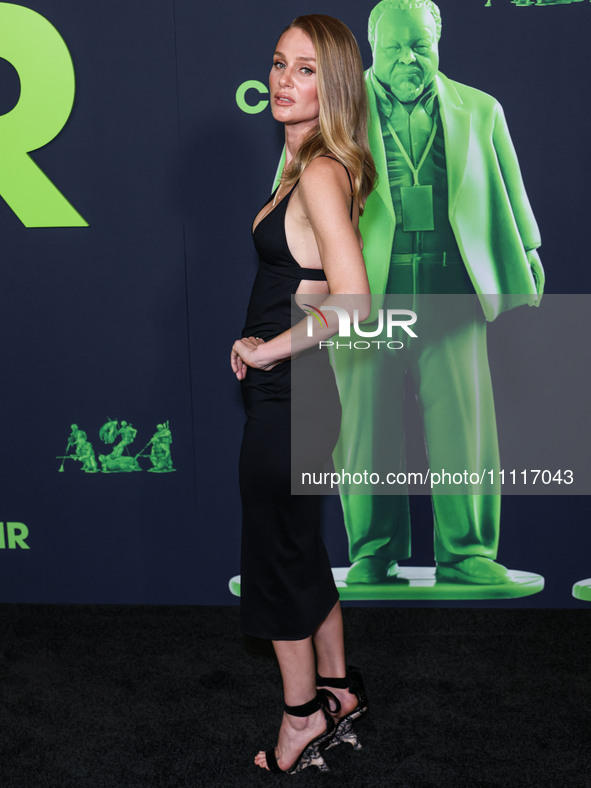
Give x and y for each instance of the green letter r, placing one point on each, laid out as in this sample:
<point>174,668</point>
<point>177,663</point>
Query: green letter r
<point>42,60</point>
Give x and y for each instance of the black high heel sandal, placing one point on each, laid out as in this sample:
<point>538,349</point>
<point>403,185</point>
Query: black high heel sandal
<point>344,732</point>
<point>310,755</point>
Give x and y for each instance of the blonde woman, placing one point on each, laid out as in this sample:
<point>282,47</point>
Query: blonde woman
<point>308,243</point>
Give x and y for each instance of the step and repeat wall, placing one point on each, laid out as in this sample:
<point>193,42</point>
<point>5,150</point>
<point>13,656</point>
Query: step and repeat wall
<point>136,145</point>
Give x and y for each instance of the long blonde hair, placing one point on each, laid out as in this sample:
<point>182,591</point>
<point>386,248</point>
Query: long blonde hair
<point>342,129</point>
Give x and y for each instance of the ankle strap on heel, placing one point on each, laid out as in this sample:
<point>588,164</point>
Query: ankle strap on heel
<point>352,681</point>
<point>304,709</point>
<point>323,700</point>
<point>332,703</point>
<point>338,683</point>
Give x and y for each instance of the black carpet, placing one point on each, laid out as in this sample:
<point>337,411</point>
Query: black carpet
<point>175,696</point>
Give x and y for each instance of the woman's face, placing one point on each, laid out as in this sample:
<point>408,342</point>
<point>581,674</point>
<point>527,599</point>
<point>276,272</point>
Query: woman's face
<point>292,81</point>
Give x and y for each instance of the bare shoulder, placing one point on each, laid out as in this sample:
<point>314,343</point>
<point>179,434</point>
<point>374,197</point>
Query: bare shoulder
<point>324,175</point>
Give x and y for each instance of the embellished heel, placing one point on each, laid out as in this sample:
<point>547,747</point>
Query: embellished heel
<point>311,754</point>
<point>344,733</point>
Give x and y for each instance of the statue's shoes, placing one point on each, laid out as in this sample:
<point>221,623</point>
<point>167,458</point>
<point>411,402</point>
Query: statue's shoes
<point>372,570</point>
<point>476,570</point>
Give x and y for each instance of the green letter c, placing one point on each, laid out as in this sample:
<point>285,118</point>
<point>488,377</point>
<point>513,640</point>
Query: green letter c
<point>253,84</point>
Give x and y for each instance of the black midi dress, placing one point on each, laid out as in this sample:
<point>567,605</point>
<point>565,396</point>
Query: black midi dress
<point>287,587</point>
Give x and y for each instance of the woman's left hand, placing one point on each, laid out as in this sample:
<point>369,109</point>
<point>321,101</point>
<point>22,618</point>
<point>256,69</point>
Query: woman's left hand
<point>244,354</point>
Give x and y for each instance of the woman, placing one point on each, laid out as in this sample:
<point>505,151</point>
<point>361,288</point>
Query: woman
<point>308,243</point>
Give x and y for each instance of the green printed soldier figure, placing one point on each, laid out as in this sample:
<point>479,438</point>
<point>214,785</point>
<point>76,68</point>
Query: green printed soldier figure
<point>449,215</point>
<point>85,454</point>
<point>160,452</point>
<point>109,431</point>
<point>127,434</point>
<point>115,462</point>
<point>112,464</point>
<point>84,450</point>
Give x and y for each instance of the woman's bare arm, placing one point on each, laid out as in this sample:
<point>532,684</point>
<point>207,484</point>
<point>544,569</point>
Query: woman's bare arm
<point>325,199</point>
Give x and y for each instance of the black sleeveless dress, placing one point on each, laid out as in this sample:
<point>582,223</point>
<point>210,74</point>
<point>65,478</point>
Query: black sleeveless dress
<point>287,587</point>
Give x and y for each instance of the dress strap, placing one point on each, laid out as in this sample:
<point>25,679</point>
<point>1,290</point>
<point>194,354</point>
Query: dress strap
<point>296,272</point>
<point>326,156</point>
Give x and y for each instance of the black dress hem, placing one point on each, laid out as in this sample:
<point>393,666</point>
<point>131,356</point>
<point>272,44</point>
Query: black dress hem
<point>251,633</point>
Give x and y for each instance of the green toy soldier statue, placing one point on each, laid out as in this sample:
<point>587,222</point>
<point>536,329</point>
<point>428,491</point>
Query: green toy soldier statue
<point>449,215</point>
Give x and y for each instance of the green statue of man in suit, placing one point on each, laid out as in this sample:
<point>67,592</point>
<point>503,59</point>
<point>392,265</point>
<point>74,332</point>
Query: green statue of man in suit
<point>449,215</point>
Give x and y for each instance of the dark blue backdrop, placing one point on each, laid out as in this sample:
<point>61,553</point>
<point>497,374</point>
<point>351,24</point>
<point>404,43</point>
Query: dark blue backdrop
<point>133,317</point>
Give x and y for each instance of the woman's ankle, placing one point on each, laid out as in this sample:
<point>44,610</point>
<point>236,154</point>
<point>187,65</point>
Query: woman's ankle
<point>302,723</point>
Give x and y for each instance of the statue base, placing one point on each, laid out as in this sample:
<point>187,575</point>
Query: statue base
<point>582,590</point>
<point>418,582</point>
